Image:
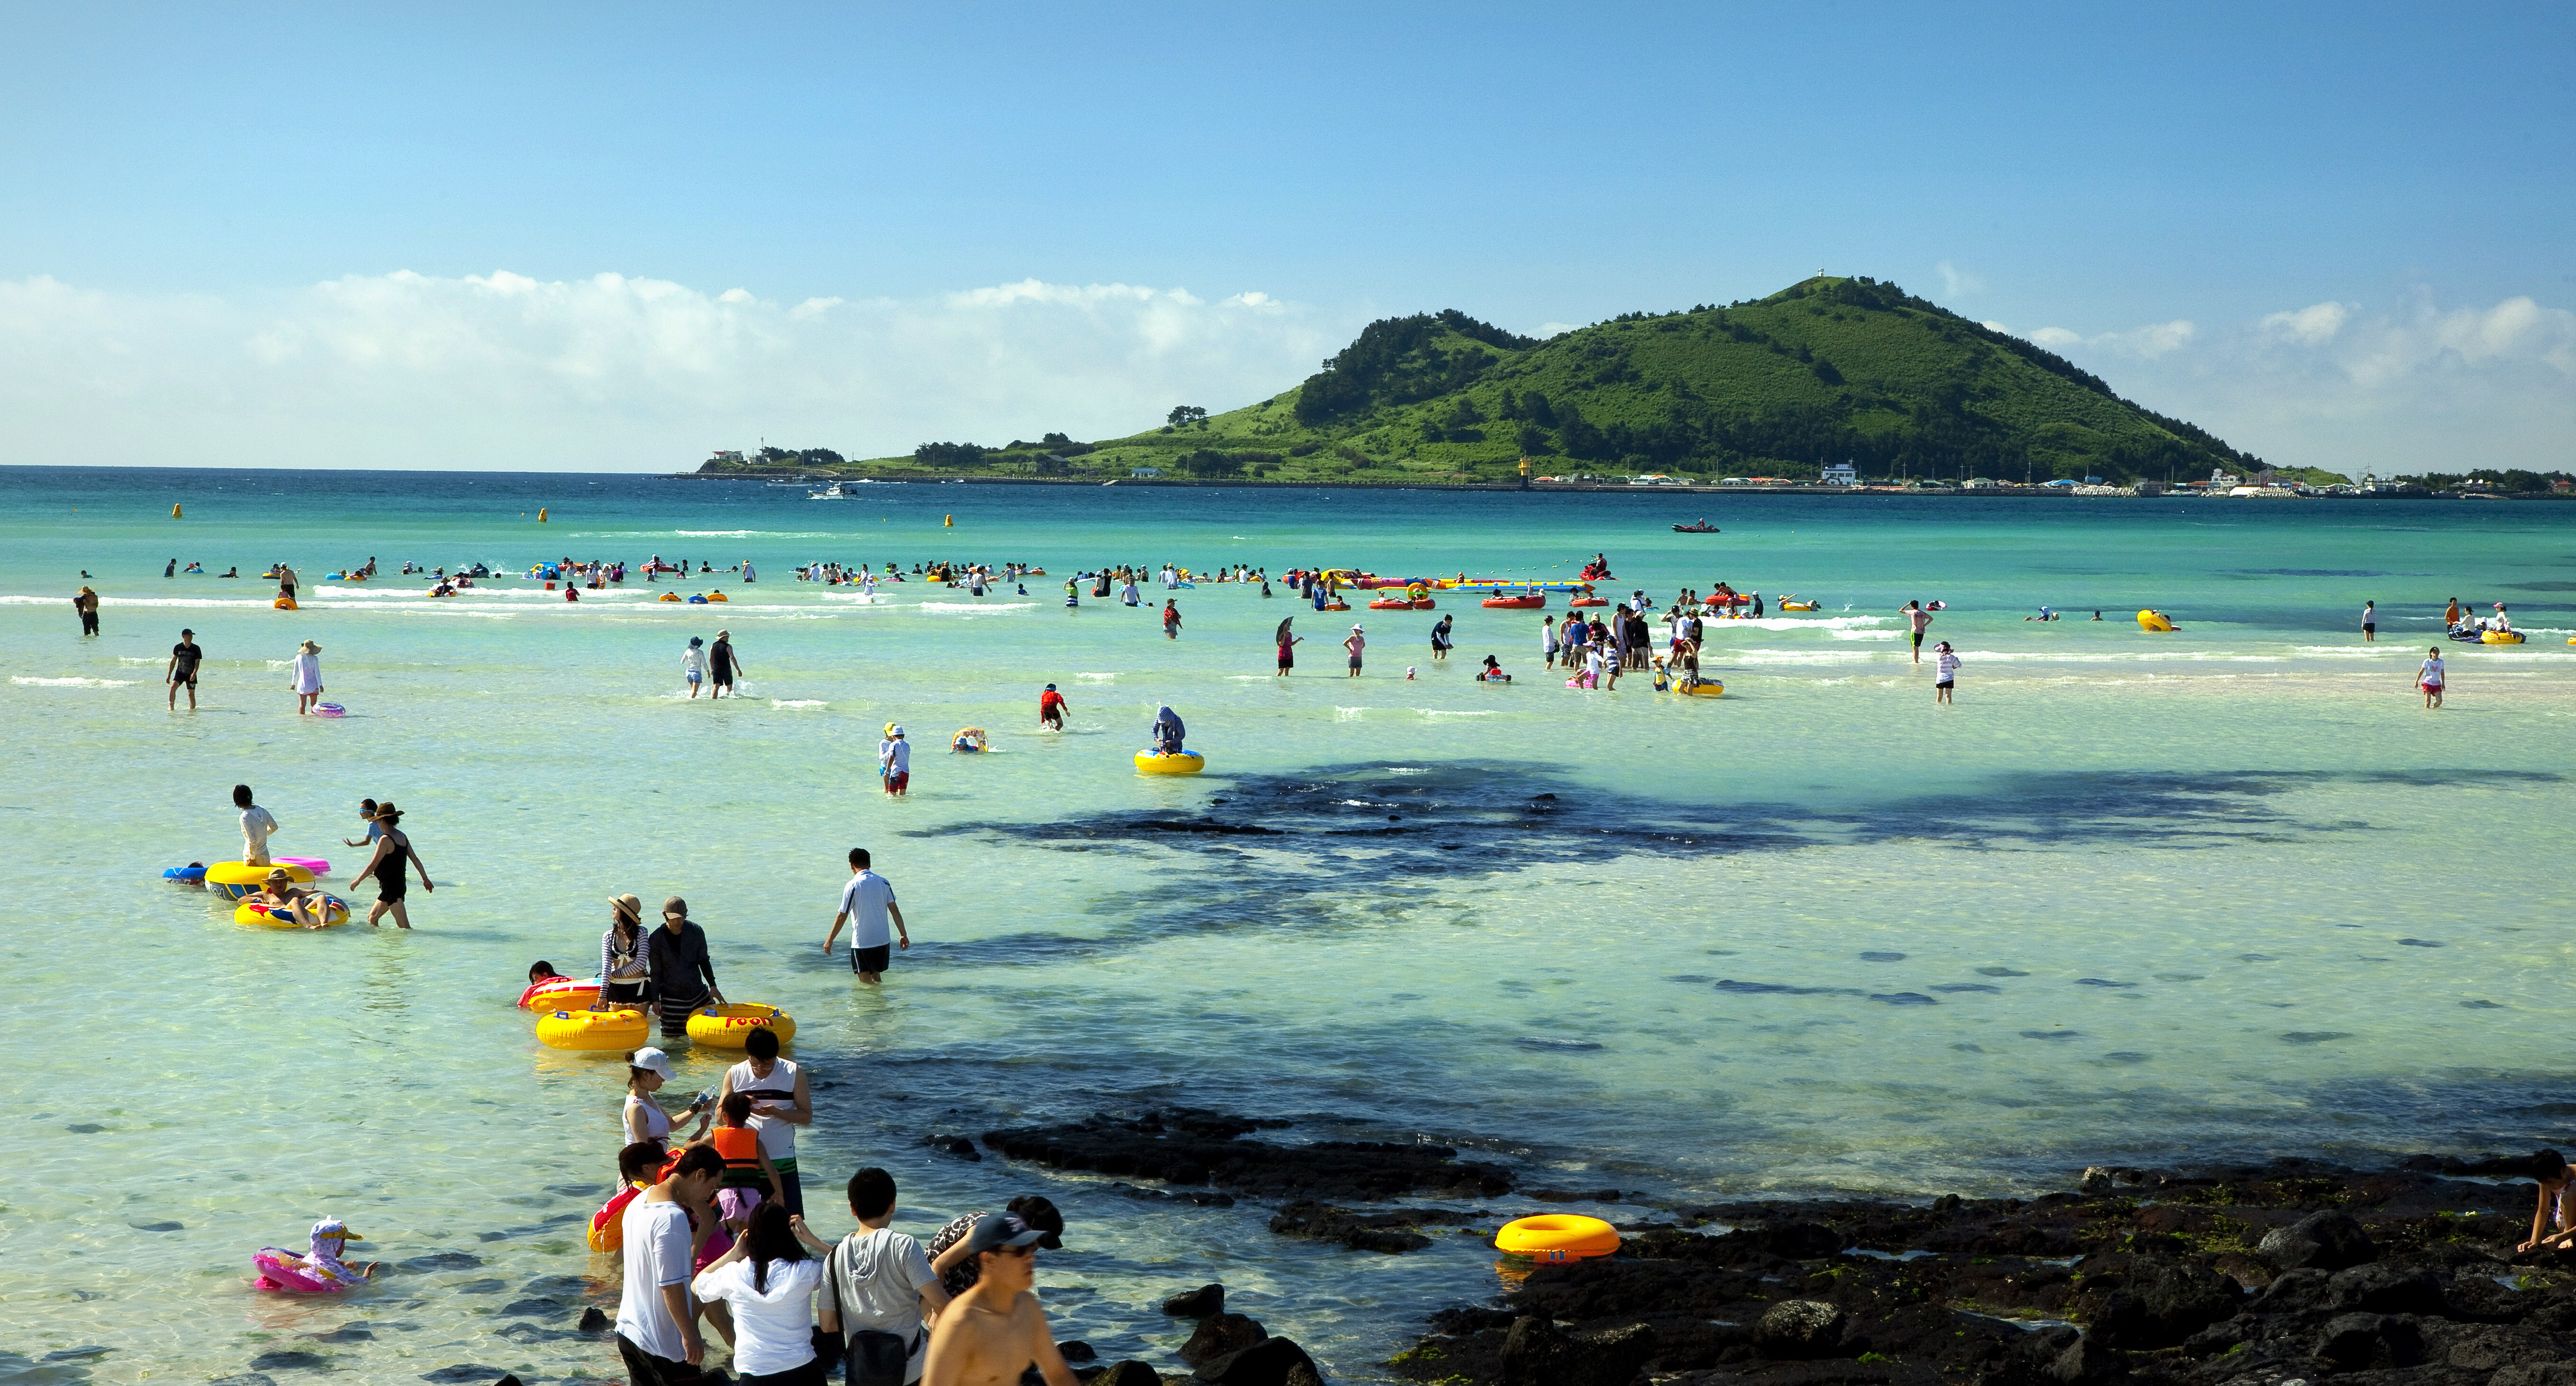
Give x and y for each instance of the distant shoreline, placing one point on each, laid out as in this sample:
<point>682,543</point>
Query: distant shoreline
<point>1619,487</point>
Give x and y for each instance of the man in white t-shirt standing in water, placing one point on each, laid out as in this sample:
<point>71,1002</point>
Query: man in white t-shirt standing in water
<point>256,825</point>
<point>780,1103</point>
<point>867,902</point>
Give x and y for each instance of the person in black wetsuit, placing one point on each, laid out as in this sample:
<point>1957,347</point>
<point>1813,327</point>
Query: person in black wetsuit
<point>393,853</point>
<point>722,666</point>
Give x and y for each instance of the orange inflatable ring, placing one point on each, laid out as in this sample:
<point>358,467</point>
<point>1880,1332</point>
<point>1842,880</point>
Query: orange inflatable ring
<point>1557,1237</point>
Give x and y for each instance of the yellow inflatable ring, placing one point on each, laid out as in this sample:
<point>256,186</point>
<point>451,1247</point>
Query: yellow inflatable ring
<point>334,911</point>
<point>1557,1237</point>
<point>597,1031</point>
<point>243,873</point>
<point>2149,620</point>
<point>1705,688</point>
<point>729,1025</point>
<point>670,596</point>
<point>233,880</point>
<point>2501,637</point>
<point>1186,763</point>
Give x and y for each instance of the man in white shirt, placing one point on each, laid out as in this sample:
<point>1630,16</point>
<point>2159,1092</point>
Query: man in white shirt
<point>867,902</point>
<point>879,1281</point>
<point>657,1326</point>
<point>256,825</point>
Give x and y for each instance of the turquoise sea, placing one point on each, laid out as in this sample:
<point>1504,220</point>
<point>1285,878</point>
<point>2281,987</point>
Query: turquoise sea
<point>2224,893</point>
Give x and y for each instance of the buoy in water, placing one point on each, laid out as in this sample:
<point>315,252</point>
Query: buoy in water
<point>541,514</point>
<point>174,510</point>
<point>948,522</point>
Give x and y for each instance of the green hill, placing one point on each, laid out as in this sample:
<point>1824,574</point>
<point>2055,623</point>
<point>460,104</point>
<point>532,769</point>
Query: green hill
<point>1823,371</point>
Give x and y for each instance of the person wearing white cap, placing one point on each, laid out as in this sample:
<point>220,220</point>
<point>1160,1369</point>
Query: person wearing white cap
<point>894,761</point>
<point>1357,642</point>
<point>643,1119</point>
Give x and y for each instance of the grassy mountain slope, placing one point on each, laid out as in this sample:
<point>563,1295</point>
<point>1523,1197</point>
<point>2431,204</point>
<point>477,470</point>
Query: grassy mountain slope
<point>1823,371</point>
<point>1826,370</point>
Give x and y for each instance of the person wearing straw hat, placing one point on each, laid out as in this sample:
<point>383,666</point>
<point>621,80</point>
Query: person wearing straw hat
<point>308,676</point>
<point>723,665</point>
<point>625,974</point>
<point>393,852</point>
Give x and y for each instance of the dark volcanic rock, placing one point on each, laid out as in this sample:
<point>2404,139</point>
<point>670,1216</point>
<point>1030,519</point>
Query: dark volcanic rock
<point>2327,1241</point>
<point>1196,1304</point>
<point>1127,1373</point>
<point>960,1146</point>
<point>2163,1303</point>
<point>1270,1362</point>
<point>592,1320</point>
<point>1575,1195</point>
<point>1536,1353</point>
<point>2384,1278</point>
<point>2385,1289</point>
<point>1078,1351</point>
<point>2087,1361</point>
<point>1388,1232</point>
<point>1220,1334</point>
<point>1190,1147</point>
<point>2358,1342</point>
<point>1801,1328</point>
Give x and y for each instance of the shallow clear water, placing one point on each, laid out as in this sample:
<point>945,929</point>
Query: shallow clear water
<point>2225,892</point>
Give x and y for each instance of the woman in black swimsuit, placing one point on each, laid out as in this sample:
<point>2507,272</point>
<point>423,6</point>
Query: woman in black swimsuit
<point>393,851</point>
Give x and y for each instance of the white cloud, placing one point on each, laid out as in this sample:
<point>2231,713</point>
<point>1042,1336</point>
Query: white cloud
<point>1957,283</point>
<point>507,371</point>
<point>2417,388</point>
<point>2313,325</point>
<point>2146,343</point>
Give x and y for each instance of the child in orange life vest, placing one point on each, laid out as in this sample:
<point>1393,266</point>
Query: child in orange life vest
<point>749,1177</point>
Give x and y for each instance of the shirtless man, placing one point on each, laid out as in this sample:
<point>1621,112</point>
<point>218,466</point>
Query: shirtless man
<point>995,1330</point>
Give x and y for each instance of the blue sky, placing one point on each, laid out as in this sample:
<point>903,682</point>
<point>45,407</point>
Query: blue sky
<point>2336,235</point>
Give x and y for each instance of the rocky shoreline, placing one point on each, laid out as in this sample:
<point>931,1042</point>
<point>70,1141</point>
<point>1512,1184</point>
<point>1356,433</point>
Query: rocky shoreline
<point>2273,1275</point>
<point>2290,1272</point>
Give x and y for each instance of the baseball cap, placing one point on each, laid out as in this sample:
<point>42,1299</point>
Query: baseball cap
<point>651,1061</point>
<point>993,1231</point>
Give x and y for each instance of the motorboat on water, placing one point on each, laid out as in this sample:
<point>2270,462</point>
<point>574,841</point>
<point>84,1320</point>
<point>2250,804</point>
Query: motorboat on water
<point>835,491</point>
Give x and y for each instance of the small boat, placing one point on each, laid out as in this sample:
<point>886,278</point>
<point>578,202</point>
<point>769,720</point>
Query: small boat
<point>835,491</point>
<point>1703,527</point>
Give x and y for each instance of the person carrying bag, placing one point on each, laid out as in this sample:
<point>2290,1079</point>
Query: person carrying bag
<point>879,1291</point>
